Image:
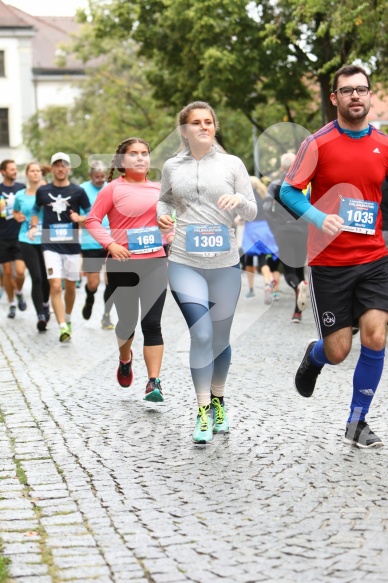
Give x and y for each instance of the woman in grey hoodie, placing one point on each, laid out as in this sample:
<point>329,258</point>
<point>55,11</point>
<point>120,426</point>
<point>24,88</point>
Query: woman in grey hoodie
<point>207,188</point>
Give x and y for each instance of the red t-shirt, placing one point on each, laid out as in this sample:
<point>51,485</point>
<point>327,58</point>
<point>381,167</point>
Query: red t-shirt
<point>338,165</point>
<point>129,205</point>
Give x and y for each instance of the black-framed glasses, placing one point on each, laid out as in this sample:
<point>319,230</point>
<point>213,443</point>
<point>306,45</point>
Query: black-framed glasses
<point>361,90</point>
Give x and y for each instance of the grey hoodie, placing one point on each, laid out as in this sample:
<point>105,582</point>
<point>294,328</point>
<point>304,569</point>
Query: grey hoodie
<point>192,187</point>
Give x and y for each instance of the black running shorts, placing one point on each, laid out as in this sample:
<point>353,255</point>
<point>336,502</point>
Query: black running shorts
<point>340,295</point>
<point>10,251</point>
<point>93,260</point>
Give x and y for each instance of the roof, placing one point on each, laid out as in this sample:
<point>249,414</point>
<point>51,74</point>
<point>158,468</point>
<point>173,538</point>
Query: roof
<point>8,18</point>
<point>51,31</point>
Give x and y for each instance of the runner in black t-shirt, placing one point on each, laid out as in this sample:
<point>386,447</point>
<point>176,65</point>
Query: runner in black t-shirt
<point>61,202</point>
<point>9,231</point>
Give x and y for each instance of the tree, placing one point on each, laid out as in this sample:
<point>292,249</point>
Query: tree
<point>254,58</point>
<point>115,102</point>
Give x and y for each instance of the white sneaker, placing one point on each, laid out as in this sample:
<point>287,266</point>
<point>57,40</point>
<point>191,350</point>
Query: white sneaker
<point>302,295</point>
<point>268,294</point>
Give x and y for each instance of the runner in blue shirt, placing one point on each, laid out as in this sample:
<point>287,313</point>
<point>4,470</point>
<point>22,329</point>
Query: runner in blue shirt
<point>32,252</point>
<point>93,254</point>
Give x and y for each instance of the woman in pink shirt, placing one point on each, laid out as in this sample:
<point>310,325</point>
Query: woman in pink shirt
<point>136,263</point>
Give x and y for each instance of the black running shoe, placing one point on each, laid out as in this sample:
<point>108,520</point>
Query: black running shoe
<point>12,312</point>
<point>21,303</point>
<point>42,323</point>
<point>88,307</point>
<point>46,312</point>
<point>307,373</point>
<point>360,434</point>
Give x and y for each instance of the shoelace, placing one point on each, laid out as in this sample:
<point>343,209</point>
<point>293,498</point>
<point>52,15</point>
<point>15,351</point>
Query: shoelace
<point>124,369</point>
<point>155,385</point>
<point>204,419</point>
<point>218,410</point>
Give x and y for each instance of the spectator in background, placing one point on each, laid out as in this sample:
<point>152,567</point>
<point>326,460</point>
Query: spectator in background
<point>384,210</point>
<point>258,241</point>
<point>291,238</point>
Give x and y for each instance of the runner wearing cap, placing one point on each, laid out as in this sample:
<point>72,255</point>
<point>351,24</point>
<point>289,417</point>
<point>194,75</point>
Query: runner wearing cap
<point>61,202</point>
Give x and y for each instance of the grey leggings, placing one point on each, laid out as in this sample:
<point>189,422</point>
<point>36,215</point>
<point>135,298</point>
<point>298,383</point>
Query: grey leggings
<point>207,299</point>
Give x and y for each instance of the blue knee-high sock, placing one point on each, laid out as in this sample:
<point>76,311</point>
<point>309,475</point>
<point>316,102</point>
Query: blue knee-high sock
<point>366,378</point>
<point>318,356</point>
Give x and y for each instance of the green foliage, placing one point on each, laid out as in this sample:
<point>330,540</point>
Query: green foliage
<point>4,563</point>
<point>115,102</point>
<point>258,64</point>
<point>251,57</point>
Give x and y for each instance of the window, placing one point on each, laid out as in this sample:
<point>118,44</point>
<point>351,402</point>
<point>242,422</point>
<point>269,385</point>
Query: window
<point>2,64</point>
<point>4,128</point>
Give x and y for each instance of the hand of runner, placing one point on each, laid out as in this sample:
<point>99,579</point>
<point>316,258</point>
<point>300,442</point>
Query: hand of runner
<point>19,217</point>
<point>228,201</point>
<point>332,224</point>
<point>32,231</point>
<point>118,251</point>
<point>75,217</point>
<point>166,222</point>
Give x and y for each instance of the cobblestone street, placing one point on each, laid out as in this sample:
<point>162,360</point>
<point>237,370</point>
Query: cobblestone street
<point>96,485</point>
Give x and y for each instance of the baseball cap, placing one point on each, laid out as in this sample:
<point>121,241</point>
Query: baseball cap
<point>60,156</point>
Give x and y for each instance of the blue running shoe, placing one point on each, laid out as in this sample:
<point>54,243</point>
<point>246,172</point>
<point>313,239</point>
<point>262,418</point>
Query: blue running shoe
<point>203,432</point>
<point>221,422</point>
<point>154,391</point>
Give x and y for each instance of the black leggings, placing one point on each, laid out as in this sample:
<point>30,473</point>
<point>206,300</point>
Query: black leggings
<point>33,258</point>
<point>292,254</point>
<point>134,281</point>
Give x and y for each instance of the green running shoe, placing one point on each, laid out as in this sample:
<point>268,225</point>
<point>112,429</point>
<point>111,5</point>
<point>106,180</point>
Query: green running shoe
<point>65,334</point>
<point>221,422</point>
<point>154,391</point>
<point>203,432</point>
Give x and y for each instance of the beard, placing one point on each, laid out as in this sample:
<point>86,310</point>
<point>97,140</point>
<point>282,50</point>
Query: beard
<point>351,114</point>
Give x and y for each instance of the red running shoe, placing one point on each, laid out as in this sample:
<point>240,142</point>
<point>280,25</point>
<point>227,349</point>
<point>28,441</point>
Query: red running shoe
<point>125,373</point>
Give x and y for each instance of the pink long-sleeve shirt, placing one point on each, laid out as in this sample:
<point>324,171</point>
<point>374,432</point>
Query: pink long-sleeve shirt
<point>129,205</point>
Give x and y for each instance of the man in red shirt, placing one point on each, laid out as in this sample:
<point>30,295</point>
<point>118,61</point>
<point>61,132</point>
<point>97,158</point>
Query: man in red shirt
<point>345,162</point>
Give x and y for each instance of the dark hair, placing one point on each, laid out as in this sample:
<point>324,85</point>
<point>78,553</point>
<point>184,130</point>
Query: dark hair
<point>185,112</point>
<point>120,151</point>
<point>348,71</point>
<point>4,164</point>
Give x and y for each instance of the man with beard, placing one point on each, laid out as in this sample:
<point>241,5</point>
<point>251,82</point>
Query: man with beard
<point>61,202</point>
<point>345,162</point>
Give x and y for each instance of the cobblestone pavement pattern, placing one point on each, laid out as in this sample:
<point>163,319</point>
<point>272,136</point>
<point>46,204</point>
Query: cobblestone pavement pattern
<point>96,485</point>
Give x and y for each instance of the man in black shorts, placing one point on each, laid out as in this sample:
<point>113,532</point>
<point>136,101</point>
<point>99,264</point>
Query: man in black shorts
<point>9,232</point>
<point>346,162</point>
<point>93,255</point>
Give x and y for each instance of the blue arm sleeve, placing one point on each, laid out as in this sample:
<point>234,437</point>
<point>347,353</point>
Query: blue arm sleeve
<point>300,205</point>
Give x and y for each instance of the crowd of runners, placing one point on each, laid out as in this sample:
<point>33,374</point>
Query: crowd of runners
<point>138,236</point>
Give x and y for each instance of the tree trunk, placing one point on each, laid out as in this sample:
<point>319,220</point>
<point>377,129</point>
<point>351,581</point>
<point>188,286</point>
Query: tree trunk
<point>328,111</point>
